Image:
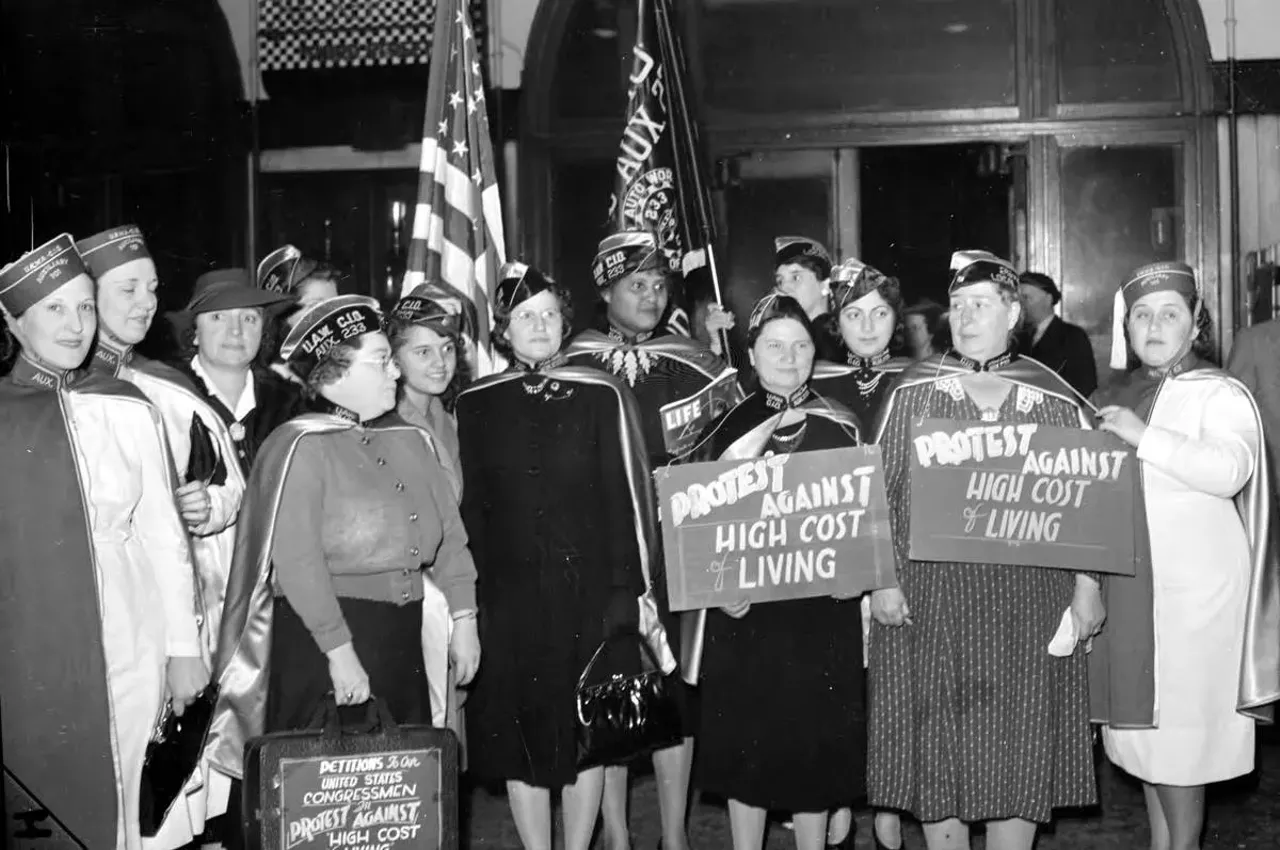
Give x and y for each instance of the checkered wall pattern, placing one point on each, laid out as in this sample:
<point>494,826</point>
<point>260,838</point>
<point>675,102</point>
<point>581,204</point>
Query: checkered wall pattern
<point>299,35</point>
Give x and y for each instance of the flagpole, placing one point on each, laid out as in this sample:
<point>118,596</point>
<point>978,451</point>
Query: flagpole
<point>679,112</point>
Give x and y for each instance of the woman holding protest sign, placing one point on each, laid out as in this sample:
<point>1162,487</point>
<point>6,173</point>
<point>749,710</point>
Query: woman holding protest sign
<point>1189,632</point>
<point>971,717</point>
<point>783,722</point>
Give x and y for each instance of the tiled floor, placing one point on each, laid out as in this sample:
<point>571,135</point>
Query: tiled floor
<point>1242,816</point>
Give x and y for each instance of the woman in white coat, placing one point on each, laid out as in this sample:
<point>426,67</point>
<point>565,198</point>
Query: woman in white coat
<point>97,617</point>
<point>1196,430</point>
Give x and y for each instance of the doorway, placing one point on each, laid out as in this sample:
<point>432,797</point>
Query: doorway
<point>921,203</point>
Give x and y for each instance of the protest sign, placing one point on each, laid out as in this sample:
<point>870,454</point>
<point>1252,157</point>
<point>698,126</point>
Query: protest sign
<point>788,526</point>
<point>388,800</point>
<point>1028,495</point>
<point>684,420</point>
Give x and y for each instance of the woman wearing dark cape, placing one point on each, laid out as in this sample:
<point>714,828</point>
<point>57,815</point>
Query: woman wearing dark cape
<point>783,719</point>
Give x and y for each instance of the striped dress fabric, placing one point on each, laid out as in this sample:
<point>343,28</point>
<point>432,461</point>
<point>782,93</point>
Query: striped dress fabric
<point>970,716</point>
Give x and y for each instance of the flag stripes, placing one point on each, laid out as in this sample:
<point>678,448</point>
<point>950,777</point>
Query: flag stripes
<point>457,243</point>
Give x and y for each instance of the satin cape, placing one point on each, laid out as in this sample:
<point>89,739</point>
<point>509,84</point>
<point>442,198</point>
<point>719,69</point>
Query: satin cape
<point>244,642</point>
<point>1122,664</point>
<point>639,485</point>
<point>58,724</point>
<point>1023,371</point>
<point>675,347</point>
<point>693,624</point>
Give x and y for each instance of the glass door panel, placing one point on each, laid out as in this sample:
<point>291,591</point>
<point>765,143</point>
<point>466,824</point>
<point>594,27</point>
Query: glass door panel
<point>1122,207</point>
<point>769,195</point>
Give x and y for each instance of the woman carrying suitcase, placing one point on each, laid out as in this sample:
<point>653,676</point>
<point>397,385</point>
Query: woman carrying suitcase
<point>342,519</point>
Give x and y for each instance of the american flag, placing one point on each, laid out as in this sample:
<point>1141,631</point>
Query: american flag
<point>457,245</point>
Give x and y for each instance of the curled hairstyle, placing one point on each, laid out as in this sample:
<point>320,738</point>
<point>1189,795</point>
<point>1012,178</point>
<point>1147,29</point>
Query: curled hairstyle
<point>502,318</point>
<point>330,369</point>
<point>890,290</point>
<point>398,334</point>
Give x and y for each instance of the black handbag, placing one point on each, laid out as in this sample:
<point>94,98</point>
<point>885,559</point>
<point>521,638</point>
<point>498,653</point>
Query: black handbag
<point>172,756</point>
<point>625,715</point>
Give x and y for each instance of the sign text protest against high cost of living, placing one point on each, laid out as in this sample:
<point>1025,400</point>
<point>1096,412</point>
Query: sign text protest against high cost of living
<point>788,526</point>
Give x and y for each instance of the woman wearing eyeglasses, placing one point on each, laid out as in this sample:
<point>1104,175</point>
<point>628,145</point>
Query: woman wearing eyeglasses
<point>557,503</point>
<point>342,518</point>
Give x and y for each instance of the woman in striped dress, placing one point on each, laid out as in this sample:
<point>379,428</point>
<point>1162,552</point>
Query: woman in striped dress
<point>971,718</point>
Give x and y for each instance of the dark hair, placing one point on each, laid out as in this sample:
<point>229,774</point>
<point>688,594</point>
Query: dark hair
<point>398,331</point>
<point>932,312</point>
<point>9,348</point>
<point>820,267</point>
<point>502,319</point>
<point>778,307</point>
<point>891,291</point>
<point>1204,345</point>
<point>268,348</point>
<point>331,367</point>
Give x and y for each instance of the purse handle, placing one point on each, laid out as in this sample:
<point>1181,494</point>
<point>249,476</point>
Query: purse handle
<point>586,671</point>
<point>325,718</point>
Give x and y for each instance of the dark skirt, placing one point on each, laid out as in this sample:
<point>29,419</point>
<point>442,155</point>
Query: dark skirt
<point>388,640</point>
<point>783,706</point>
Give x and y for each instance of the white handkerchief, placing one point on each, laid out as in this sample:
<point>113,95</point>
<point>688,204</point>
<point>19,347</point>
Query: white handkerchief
<point>1064,640</point>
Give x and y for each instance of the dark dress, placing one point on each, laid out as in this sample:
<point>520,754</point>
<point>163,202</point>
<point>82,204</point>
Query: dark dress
<point>658,371</point>
<point>1065,348</point>
<point>971,717</point>
<point>547,502</point>
<point>783,691</point>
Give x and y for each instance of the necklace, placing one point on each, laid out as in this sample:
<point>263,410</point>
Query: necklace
<point>790,441</point>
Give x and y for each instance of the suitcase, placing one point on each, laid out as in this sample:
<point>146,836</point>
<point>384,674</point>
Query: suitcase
<point>373,785</point>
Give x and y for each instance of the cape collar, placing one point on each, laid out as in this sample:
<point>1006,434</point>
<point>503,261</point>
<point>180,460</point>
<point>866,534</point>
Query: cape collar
<point>111,356</point>
<point>320,404</point>
<point>619,337</point>
<point>998,362</point>
<point>518,365</point>
<point>781,402</point>
<point>28,373</point>
<point>866,364</point>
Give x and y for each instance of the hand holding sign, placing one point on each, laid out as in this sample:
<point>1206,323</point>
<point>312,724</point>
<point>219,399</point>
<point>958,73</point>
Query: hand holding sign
<point>1122,422</point>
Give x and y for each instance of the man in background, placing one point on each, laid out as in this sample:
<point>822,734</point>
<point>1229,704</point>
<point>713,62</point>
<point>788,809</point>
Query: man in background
<point>1061,346</point>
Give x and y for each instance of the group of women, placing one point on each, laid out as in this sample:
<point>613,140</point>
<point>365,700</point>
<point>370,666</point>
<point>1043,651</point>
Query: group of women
<point>357,520</point>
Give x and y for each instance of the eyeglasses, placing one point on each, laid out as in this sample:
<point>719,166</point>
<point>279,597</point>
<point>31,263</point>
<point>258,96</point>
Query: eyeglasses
<point>551,315</point>
<point>384,363</point>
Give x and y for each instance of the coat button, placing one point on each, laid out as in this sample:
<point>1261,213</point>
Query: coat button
<point>364,441</point>
<point>413,517</point>
<point>414,551</point>
<point>405,572</point>
<point>382,461</point>
<point>405,596</point>
<point>399,486</point>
